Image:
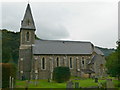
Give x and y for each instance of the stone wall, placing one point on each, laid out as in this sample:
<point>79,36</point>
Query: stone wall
<point>23,36</point>
<point>99,66</point>
<point>25,62</point>
<point>64,60</point>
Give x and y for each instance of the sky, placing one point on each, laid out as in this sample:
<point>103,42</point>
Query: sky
<point>77,20</point>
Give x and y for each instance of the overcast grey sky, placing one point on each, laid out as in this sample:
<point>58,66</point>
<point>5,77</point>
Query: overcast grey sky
<point>94,21</point>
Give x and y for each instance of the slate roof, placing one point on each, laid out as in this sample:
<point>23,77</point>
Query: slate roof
<point>62,47</point>
<point>98,51</point>
<point>28,22</point>
<point>96,57</point>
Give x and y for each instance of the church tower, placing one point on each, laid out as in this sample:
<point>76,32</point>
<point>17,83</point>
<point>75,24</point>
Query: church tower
<point>27,39</point>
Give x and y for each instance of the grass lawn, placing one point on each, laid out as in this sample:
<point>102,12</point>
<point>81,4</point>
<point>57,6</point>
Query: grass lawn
<point>88,82</point>
<point>46,84</point>
<point>40,84</point>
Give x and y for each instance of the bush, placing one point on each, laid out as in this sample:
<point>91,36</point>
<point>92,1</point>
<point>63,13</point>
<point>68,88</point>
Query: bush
<point>61,74</point>
<point>103,84</point>
<point>117,83</point>
<point>8,70</point>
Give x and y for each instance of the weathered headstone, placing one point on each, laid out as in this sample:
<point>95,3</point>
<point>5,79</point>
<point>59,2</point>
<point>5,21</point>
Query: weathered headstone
<point>49,80</point>
<point>76,84</point>
<point>96,80</point>
<point>69,84</point>
<point>36,78</point>
<point>10,82</point>
<point>22,77</point>
<point>109,83</point>
<point>27,83</point>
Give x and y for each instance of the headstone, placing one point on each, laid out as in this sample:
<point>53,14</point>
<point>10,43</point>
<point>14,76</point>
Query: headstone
<point>69,84</point>
<point>96,80</point>
<point>109,83</point>
<point>22,77</point>
<point>49,80</point>
<point>76,84</point>
<point>36,80</point>
<point>27,83</point>
<point>10,82</point>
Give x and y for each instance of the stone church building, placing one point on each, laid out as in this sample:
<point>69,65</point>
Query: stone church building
<point>38,58</point>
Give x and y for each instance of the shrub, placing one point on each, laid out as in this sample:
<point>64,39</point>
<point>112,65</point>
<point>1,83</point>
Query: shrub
<point>103,84</point>
<point>8,70</point>
<point>117,83</point>
<point>61,74</point>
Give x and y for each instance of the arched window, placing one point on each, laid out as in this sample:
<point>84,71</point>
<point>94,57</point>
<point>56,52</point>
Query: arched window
<point>70,63</point>
<point>43,63</point>
<point>57,62</point>
<point>27,36</point>
<point>83,60</point>
<point>28,22</point>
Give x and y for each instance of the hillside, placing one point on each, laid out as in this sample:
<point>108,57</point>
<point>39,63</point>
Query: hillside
<point>10,46</point>
<point>106,51</point>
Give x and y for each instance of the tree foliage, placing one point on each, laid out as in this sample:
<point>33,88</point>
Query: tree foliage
<point>113,63</point>
<point>61,74</point>
<point>106,51</point>
<point>8,69</point>
<point>10,45</point>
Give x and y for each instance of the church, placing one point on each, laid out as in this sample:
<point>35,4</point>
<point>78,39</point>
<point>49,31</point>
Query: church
<point>38,58</point>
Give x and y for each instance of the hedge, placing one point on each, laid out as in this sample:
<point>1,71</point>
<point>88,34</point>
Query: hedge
<point>61,74</point>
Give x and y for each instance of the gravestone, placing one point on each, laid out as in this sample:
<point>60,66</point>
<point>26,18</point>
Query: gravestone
<point>49,80</point>
<point>36,78</point>
<point>96,80</point>
<point>69,84</point>
<point>109,83</point>
<point>10,82</point>
<point>27,83</point>
<point>76,84</point>
<point>36,82</point>
<point>22,78</point>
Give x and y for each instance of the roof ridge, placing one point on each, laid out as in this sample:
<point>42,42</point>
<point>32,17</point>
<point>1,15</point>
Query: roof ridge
<point>65,41</point>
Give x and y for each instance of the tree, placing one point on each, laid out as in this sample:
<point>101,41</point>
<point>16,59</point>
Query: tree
<point>113,62</point>
<point>10,45</point>
<point>8,69</point>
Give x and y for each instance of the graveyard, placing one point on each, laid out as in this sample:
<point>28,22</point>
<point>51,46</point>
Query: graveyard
<point>74,83</point>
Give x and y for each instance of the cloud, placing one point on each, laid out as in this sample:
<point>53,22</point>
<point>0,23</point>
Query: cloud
<point>50,30</point>
<point>93,21</point>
